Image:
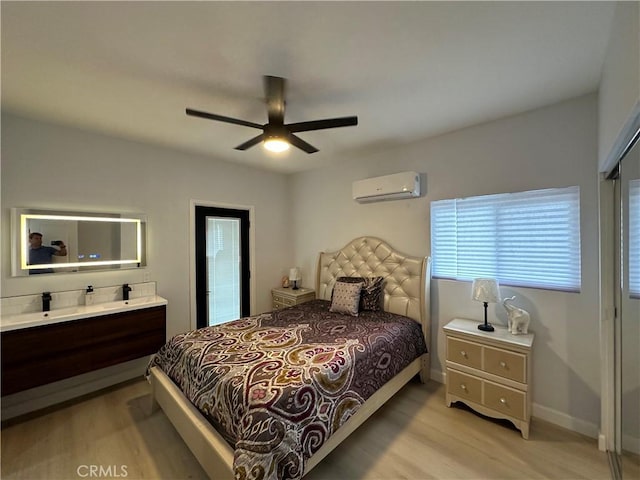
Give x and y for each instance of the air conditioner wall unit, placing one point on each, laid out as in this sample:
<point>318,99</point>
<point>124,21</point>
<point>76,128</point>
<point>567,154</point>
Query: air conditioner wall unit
<point>388,187</point>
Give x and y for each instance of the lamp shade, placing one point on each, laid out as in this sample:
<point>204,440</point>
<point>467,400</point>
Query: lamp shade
<point>485,290</point>
<point>294,274</point>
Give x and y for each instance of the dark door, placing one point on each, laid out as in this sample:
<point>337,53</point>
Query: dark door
<point>222,265</point>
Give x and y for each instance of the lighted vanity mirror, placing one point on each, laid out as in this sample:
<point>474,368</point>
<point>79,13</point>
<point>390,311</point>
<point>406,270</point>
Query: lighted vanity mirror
<point>64,242</point>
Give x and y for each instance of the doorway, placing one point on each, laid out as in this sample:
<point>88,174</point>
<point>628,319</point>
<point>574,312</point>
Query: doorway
<point>222,265</point>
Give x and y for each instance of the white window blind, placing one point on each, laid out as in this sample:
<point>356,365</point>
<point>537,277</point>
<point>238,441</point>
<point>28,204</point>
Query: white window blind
<point>223,269</point>
<point>634,238</point>
<point>527,239</point>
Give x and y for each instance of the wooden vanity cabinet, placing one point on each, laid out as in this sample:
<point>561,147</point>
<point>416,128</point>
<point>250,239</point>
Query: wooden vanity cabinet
<point>35,356</point>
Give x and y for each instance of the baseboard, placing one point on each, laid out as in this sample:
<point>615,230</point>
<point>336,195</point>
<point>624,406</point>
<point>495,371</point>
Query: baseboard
<point>438,376</point>
<point>602,443</point>
<point>38,398</point>
<point>566,421</point>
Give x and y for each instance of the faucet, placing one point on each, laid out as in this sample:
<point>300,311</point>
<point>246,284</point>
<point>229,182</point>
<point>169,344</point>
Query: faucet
<point>125,291</point>
<point>46,301</point>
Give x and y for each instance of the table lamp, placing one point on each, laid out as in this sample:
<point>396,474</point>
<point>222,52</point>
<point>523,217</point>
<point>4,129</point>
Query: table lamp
<point>294,276</point>
<point>485,290</point>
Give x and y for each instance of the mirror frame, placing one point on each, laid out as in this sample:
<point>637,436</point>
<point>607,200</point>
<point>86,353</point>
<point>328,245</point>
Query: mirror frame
<point>20,240</point>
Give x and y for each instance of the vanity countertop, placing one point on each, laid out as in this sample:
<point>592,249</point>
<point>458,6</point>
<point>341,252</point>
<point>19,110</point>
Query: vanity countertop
<point>36,319</point>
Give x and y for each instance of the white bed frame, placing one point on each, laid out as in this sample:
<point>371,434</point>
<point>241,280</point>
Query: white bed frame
<point>407,292</point>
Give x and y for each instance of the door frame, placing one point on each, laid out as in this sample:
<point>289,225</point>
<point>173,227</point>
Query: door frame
<point>606,436</point>
<point>193,310</point>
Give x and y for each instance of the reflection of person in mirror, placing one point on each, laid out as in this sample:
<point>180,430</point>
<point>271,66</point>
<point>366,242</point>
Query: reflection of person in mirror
<point>41,254</point>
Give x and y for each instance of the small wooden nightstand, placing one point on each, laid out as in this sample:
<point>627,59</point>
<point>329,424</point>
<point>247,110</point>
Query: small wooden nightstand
<point>490,371</point>
<point>288,297</point>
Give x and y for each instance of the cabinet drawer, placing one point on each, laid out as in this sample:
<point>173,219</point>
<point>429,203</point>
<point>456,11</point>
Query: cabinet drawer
<point>464,353</point>
<point>464,386</point>
<point>287,302</point>
<point>307,297</point>
<point>504,399</point>
<point>506,364</point>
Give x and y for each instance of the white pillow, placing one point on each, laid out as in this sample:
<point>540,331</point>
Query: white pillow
<point>346,298</point>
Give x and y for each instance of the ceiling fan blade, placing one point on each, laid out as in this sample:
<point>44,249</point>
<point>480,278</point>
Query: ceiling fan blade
<point>220,118</point>
<point>251,143</point>
<point>274,94</point>
<point>322,124</point>
<point>301,144</point>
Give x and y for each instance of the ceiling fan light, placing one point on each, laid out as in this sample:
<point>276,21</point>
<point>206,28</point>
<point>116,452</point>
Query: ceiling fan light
<point>276,144</point>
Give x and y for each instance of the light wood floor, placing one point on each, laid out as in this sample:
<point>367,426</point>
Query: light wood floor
<point>414,436</point>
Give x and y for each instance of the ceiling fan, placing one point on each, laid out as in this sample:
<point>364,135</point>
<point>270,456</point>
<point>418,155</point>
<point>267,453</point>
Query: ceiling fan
<point>276,135</point>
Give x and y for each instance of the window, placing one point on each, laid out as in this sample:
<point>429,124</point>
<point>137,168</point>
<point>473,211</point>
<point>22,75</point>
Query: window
<point>634,238</point>
<point>529,239</point>
<point>223,269</point>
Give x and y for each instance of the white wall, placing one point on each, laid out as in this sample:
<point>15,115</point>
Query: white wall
<point>620,84</point>
<point>50,166</point>
<point>55,167</point>
<point>550,147</point>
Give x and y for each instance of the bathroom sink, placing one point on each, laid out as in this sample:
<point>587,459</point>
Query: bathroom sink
<point>133,302</point>
<point>24,320</point>
<point>27,317</point>
<point>10,322</point>
<point>63,312</point>
<point>141,300</point>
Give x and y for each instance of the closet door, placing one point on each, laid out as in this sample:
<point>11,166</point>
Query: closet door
<point>628,318</point>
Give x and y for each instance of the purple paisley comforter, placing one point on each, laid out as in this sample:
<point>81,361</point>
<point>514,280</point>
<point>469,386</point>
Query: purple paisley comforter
<point>277,385</point>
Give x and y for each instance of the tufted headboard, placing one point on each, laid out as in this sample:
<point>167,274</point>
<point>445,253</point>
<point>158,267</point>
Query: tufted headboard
<point>407,279</point>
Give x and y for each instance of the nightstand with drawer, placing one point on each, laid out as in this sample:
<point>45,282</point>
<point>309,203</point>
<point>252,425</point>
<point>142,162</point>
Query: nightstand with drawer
<point>288,297</point>
<point>490,371</point>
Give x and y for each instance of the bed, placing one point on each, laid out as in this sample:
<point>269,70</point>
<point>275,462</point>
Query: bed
<point>281,354</point>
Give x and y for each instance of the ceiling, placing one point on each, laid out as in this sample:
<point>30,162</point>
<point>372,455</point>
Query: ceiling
<point>408,70</point>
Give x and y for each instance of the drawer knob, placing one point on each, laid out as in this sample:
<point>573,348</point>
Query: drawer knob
<point>463,353</point>
<point>503,364</point>
<point>463,387</point>
<point>503,400</point>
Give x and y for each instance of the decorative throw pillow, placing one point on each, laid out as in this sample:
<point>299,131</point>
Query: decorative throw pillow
<point>372,288</point>
<point>346,298</point>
